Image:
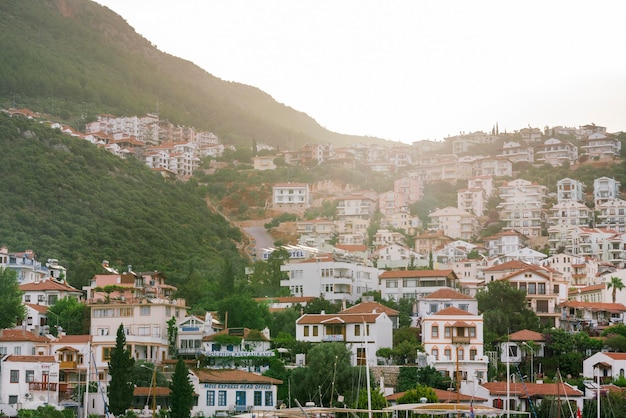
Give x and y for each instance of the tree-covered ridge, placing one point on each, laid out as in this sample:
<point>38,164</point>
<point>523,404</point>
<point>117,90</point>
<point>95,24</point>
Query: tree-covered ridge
<point>75,58</point>
<point>65,198</point>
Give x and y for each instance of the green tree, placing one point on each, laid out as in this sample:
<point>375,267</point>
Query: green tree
<point>12,310</point>
<point>504,310</point>
<point>416,394</point>
<point>181,396</point>
<point>242,311</point>
<point>172,335</point>
<point>377,398</point>
<point>616,284</point>
<point>71,315</point>
<point>121,366</point>
<point>143,372</point>
<point>319,305</point>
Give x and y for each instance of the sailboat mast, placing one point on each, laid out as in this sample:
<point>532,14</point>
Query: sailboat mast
<point>87,377</point>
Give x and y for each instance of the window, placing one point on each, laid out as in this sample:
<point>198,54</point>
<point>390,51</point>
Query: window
<point>472,332</point>
<point>464,307</point>
<point>216,347</point>
<point>27,298</point>
<point>315,330</point>
<point>15,376</point>
<point>3,351</point>
<point>541,288</point>
<point>473,353</point>
<point>143,330</point>
<point>17,350</point>
<point>434,331</point>
<point>258,398</point>
<point>433,308</point>
<point>240,398</point>
<point>357,330</point>
<point>461,353</point>
<point>106,353</point>
<point>435,353</point>
<point>12,399</point>
<point>447,353</point>
<point>221,398</point>
<point>210,397</point>
<point>306,330</point>
<point>532,288</point>
<point>447,332</point>
<point>269,398</point>
<point>30,376</point>
<point>145,311</point>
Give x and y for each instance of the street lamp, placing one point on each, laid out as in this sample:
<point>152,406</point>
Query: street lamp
<point>532,355</point>
<point>152,386</point>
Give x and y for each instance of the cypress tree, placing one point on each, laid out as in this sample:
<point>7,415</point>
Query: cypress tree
<point>121,366</point>
<point>181,396</point>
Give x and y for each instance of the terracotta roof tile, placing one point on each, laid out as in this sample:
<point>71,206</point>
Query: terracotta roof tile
<point>371,307</point>
<point>526,335</point>
<point>451,310</point>
<point>21,335</point>
<point>393,274</point>
<point>232,376</point>
<point>447,293</point>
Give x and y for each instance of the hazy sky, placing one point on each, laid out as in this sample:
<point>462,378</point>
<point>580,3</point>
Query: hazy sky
<point>408,69</point>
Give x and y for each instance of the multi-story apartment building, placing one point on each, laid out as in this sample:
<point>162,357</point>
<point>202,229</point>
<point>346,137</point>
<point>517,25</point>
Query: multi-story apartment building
<point>493,167</point>
<point>355,207</point>
<point>612,214</point>
<point>531,135</point>
<point>453,341</point>
<point>395,256</point>
<point>29,381</point>
<point>444,298</point>
<point>140,302</point>
<point>363,333</point>
<point>515,152</point>
<point>577,271</point>
<point>522,206</point>
<point>332,280</point>
<point>504,242</point>
<point>427,242</point>
<point>402,221</point>
<point>414,284</point>
<point>27,268</point>
<point>291,197</point>
<point>242,344</point>
<point>562,218</point>
<point>315,231</point>
<point>556,152</point>
<point>568,189</point>
<point>545,289</point>
<point>605,189</point>
<point>601,146</point>
<point>481,182</point>
<point>455,223</point>
<point>385,237</point>
<point>473,201</point>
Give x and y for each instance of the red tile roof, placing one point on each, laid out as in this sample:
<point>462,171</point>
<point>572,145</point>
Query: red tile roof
<point>445,396</point>
<point>533,389</point>
<point>448,294</point>
<point>31,359</point>
<point>159,391</point>
<point>594,306</point>
<point>616,356</point>
<point>232,376</point>
<point>246,333</point>
<point>451,310</point>
<point>370,307</point>
<point>47,285</point>
<point>526,335</point>
<point>415,273</point>
<point>7,335</point>
<point>340,318</point>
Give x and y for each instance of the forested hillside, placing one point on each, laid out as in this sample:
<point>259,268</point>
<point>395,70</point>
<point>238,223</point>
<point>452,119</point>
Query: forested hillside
<point>65,198</point>
<point>74,59</point>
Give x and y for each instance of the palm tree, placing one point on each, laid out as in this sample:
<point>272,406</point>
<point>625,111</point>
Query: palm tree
<point>615,284</point>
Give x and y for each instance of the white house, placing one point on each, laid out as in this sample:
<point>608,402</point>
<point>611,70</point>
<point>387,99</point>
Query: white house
<point>362,333</point>
<point>322,276</point>
<point>29,381</point>
<point>224,347</point>
<point>291,197</point>
<point>453,340</point>
<point>414,284</point>
<point>227,392</point>
<point>445,298</point>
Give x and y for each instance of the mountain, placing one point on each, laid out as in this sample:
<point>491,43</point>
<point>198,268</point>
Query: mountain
<point>75,58</point>
<point>65,198</point>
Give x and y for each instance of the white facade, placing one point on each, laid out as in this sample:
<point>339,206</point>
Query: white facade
<point>329,279</point>
<point>363,333</point>
<point>556,152</point>
<point>414,284</point>
<point>455,223</point>
<point>29,381</point>
<point>604,189</point>
<point>568,189</point>
<point>227,392</point>
<point>453,340</point>
<point>290,197</point>
<point>445,298</point>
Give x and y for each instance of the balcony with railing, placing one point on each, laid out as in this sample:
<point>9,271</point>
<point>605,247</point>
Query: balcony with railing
<point>42,386</point>
<point>460,339</point>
